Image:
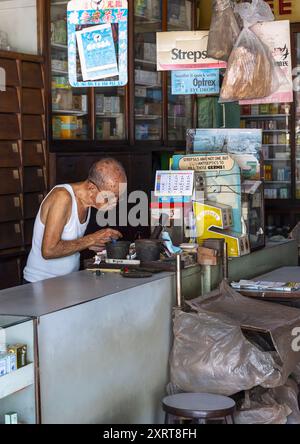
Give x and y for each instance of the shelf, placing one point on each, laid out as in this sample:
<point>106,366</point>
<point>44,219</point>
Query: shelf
<point>71,112</point>
<point>57,71</point>
<point>278,181</point>
<point>110,115</point>
<point>17,380</point>
<point>145,62</point>
<point>273,131</point>
<point>266,116</point>
<point>281,146</point>
<point>277,160</point>
<point>59,46</point>
<point>142,117</point>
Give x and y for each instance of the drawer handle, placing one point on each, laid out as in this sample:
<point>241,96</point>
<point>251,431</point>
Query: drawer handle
<point>39,148</point>
<point>40,172</point>
<point>17,229</point>
<point>16,174</point>
<point>17,202</point>
<point>15,148</point>
<point>40,198</point>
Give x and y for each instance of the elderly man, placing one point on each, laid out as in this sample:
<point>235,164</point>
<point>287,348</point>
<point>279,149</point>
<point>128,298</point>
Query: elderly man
<point>58,236</point>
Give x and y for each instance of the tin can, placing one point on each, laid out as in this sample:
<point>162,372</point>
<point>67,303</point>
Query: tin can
<point>20,351</point>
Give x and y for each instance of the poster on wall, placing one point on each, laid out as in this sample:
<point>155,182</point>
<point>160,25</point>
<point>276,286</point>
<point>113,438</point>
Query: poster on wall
<point>98,40</point>
<point>276,35</point>
<point>199,81</point>
<point>184,50</point>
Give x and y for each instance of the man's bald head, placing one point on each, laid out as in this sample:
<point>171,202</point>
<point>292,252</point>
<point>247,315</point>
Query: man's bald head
<point>107,174</point>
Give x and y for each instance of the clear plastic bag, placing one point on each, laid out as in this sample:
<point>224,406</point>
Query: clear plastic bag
<point>224,30</point>
<point>252,72</point>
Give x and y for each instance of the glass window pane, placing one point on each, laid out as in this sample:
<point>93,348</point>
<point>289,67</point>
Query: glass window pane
<point>110,117</point>
<point>274,120</point>
<point>179,106</point>
<point>18,27</point>
<point>69,105</point>
<point>148,84</point>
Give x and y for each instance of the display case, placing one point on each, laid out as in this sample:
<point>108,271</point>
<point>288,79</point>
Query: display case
<point>275,122</point>
<point>143,113</point>
<point>180,107</point>
<point>18,387</point>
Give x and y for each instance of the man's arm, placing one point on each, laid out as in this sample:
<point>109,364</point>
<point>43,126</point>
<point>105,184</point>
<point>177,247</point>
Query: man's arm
<point>53,247</point>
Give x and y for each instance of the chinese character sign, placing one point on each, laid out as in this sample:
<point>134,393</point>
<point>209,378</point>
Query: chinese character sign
<point>99,37</point>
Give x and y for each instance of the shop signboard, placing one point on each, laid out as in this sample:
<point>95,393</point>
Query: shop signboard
<point>184,50</point>
<point>199,81</point>
<point>276,35</point>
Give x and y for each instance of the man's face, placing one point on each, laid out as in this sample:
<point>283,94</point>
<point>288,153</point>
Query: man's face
<point>107,199</point>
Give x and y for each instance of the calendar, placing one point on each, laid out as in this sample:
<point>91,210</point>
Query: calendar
<point>174,183</point>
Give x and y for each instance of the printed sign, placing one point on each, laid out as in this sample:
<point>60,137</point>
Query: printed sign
<point>200,81</point>
<point>174,183</point>
<point>184,50</point>
<point>101,38</point>
<point>97,52</point>
<point>276,35</point>
<point>206,163</point>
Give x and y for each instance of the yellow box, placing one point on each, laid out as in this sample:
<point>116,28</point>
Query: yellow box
<point>213,221</point>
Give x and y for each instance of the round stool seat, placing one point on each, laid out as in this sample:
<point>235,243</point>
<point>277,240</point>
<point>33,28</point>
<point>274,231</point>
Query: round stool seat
<point>198,405</point>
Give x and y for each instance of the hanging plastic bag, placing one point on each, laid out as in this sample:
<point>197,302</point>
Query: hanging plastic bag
<point>252,72</point>
<point>224,30</point>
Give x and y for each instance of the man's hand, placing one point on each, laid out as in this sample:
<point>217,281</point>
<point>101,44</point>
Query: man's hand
<point>102,237</point>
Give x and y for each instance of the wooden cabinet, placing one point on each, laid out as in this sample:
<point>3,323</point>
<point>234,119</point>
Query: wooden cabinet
<point>9,102</point>
<point>10,181</point>
<point>143,114</point>
<point>10,154</point>
<point>33,153</point>
<point>9,127</point>
<point>23,166</point>
<point>10,208</point>
<point>10,272</point>
<point>34,179</point>
<point>11,235</point>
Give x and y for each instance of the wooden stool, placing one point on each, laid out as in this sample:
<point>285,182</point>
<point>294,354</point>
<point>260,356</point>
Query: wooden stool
<point>198,407</point>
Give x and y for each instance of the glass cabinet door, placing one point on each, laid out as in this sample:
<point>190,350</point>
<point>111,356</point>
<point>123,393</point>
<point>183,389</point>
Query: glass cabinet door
<point>274,120</point>
<point>148,83</point>
<point>179,106</point>
<point>110,113</point>
<point>69,105</point>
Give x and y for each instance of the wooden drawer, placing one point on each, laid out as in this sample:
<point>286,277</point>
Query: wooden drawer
<point>9,273</point>
<point>9,154</point>
<point>10,235</point>
<point>32,75</point>
<point>10,67</point>
<point>32,101</point>
<point>32,204</point>
<point>9,102</point>
<point>33,154</point>
<point>10,208</point>
<point>28,231</point>
<point>10,181</point>
<point>9,127</point>
<point>33,128</point>
<point>33,179</point>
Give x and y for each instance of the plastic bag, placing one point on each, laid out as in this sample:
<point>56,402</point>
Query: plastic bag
<point>224,30</point>
<point>216,349</point>
<point>261,407</point>
<point>252,72</point>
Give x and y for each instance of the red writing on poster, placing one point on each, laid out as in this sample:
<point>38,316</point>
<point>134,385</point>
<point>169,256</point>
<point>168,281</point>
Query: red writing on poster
<point>284,6</point>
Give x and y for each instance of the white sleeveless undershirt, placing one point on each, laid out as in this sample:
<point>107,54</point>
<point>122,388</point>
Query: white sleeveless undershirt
<point>38,268</point>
